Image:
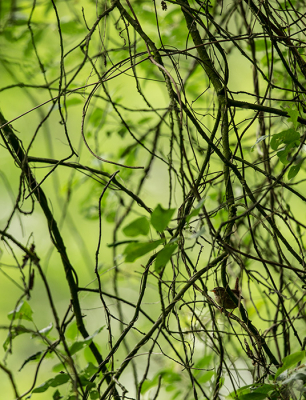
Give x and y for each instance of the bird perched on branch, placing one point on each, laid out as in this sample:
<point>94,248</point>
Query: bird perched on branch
<point>223,298</point>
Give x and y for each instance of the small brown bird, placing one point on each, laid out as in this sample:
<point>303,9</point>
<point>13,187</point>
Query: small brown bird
<point>223,298</point>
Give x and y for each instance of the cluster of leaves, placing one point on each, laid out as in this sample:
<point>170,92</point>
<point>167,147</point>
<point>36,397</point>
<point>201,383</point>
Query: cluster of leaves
<point>62,371</point>
<point>159,220</point>
<point>288,382</point>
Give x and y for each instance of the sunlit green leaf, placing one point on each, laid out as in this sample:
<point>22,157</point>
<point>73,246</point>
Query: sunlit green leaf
<point>96,117</point>
<point>176,394</point>
<point>94,394</point>
<point>90,369</point>
<point>15,331</point>
<point>148,384</point>
<point>262,45</point>
<point>239,392</point>
<point>58,368</point>
<point>206,377</point>
<point>253,396</point>
<point>72,331</point>
<point>79,345</point>
<point>294,170</point>
<point>73,101</point>
<point>86,382</point>
<point>285,137</point>
<point>139,226</point>
<point>57,395</point>
<point>290,361</point>
<point>203,362</point>
<point>58,380</point>
<point>283,154</point>
<point>136,250</point>
<point>72,27</point>
<point>294,113</point>
<point>41,388</point>
<point>37,38</point>
<point>164,256</point>
<point>160,217</point>
<point>23,311</point>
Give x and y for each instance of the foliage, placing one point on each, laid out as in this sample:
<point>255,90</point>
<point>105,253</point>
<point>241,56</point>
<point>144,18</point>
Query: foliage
<point>287,383</point>
<point>151,151</point>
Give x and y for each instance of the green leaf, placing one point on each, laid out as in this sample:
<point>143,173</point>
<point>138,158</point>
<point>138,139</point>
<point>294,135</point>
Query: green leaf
<point>96,117</point>
<point>72,331</point>
<point>176,394</point>
<point>240,392</point>
<point>202,363</point>
<point>57,395</point>
<point>58,367</point>
<point>94,394</point>
<point>88,354</point>
<point>282,154</point>
<point>148,384</point>
<point>136,250</point>
<point>90,369</point>
<point>37,38</point>
<point>285,137</point>
<point>293,113</point>
<point>160,217</point>
<point>290,360</point>
<point>252,392</point>
<point>122,131</point>
<point>294,170</point>
<point>72,27</point>
<point>79,345</point>
<point>74,101</point>
<point>23,311</point>
<point>140,226</point>
<point>253,396</point>
<point>262,44</point>
<point>206,377</point>
<point>15,331</point>
<point>265,388</point>
<point>170,377</point>
<point>58,380</point>
<point>86,382</point>
<point>164,256</point>
<point>33,357</point>
<point>41,388</point>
